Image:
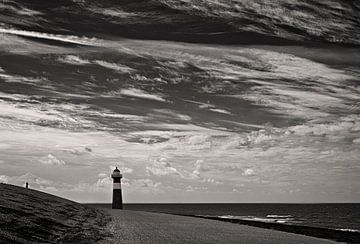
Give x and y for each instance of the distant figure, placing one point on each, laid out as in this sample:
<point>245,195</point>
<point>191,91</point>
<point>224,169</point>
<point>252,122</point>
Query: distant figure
<point>117,196</point>
<point>27,185</point>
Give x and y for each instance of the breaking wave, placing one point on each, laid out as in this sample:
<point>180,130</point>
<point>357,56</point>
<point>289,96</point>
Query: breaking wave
<point>282,219</point>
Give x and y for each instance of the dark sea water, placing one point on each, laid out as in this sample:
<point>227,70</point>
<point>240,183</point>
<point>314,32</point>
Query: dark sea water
<point>339,216</point>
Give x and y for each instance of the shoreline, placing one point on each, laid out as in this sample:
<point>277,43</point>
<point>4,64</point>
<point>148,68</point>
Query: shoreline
<point>34,216</point>
<point>309,231</point>
<point>141,227</point>
<point>318,232</point>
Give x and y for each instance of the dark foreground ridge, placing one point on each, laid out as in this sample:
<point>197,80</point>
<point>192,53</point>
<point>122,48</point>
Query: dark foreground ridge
<point>32,216</point>
<point>330,234</point>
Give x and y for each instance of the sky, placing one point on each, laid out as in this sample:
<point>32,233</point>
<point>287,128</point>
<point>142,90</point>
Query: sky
<point>183,122</point>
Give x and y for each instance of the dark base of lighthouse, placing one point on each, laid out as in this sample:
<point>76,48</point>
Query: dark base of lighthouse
<point>117,199</point>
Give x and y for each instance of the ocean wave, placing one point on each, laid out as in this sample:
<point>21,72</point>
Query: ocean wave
<point>272,219</point>
<point>299,227</point>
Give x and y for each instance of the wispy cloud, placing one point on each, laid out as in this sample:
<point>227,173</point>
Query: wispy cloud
<point>114,66</point>
<point>52,160</point>
<point>218,110</point>
<point>20,10</point>
<point>137,93</point>
<point>161,167</point>
<point>57,37</point>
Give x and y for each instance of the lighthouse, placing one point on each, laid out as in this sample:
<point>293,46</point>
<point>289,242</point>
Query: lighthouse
<point>117,197</point>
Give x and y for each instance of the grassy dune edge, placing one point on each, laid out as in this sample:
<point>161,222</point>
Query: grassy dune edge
<point>32,216</point>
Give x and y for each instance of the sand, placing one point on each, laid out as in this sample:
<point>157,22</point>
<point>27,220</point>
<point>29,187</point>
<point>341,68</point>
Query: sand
<point>145,227</point>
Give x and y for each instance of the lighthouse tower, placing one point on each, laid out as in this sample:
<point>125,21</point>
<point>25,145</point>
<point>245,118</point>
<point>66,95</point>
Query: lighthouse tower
<point>117,197</point>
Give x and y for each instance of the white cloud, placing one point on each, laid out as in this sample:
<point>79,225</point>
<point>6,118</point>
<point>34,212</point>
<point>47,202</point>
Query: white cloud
<point>222,111</point>
<point>104,183</point>
<point>33,180</point>
<point>77,60</point>
<point>103,175</point>
<point>52,160</point>
<point>133,92</point>
<point>27,113</point>
<point>190,188</point>
<point>73,59</point>
<point>161,167</point>
<point>114,66</point>
<point>146,186</point>
<point>248,172</point>
<point>18,9</point>
<point>169,114</point>
<point>126,170</point>
<point>199,168</point>
<point>4,179</point>
<point>356,141</point>
<point>114,12</point>
<point>64,38</point>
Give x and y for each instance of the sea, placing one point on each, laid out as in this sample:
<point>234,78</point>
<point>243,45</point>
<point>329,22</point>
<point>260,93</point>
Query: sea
<point>334,216</point>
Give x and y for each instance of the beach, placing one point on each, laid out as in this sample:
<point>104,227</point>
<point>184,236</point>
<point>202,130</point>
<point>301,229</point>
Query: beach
<point>145,227</point>
<point>31,216</point>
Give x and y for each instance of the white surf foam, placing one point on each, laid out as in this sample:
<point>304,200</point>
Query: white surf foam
<point>279,219</point>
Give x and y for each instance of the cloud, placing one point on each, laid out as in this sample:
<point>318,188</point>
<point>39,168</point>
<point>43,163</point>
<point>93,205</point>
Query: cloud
<point>199,168</point>
<point>4,179</point>
<point>211,107</point>
<point>114,66</point>
<point>24,113</point>
<point>199,142</point>
<point>104,183</point>
<point>126,170</point>
<point>161,167</point>
<point>190,188</point>
<point>77,60</point>
<point>169,114</point>
<point>114,12</point>
<point>25,110</point>
<point>356,141</point>
<point>74,59</point>
<point>248,172</point>
<point>33,180</point>
<point>320,149</point>
<point>18,9</point>
<point>137,93</point>
<point>123,169</point>
<point>345,124</point>
<point>103,175</point>
<point>57,37</point>
<point>222,111</point>
<point>52,160</point>
<point>146,186</point>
